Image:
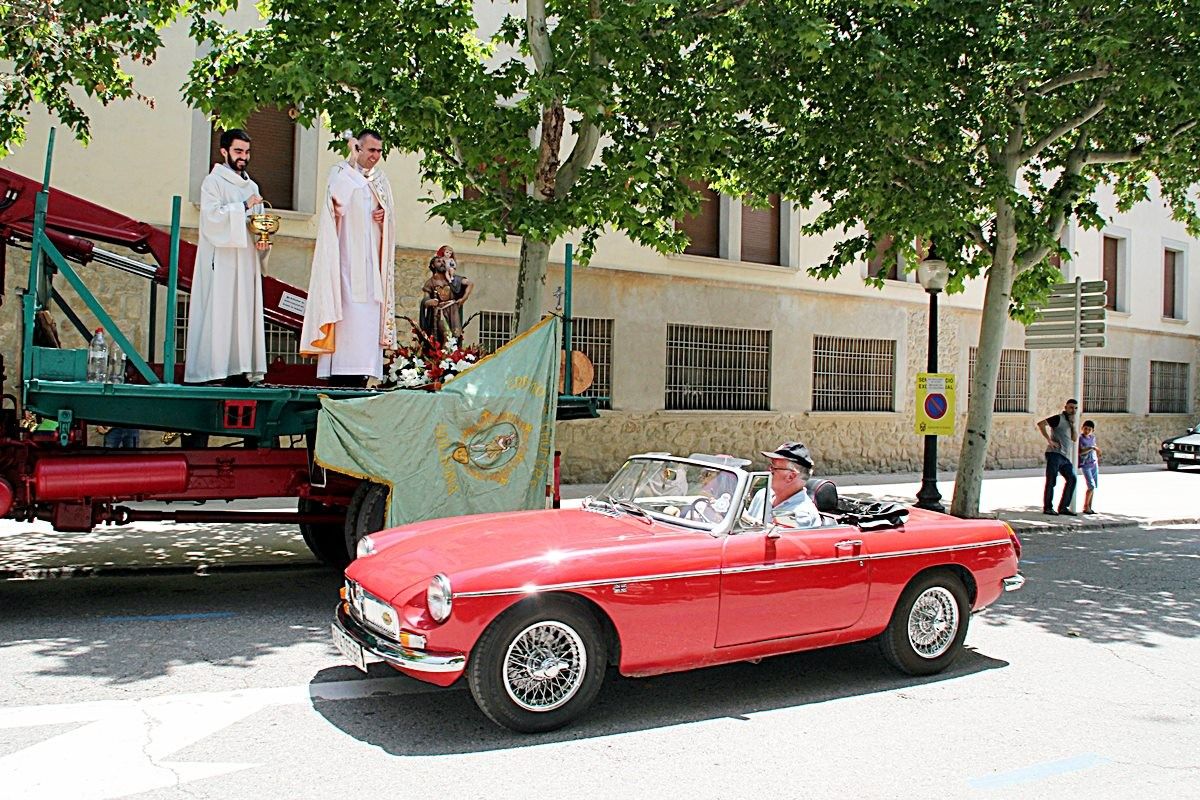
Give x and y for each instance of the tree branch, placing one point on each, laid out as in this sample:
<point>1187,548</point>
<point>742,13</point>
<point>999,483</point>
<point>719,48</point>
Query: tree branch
<point>1060,201</point>
<point>1064,128</point>
<point>538,36</point>
<point>1069,78</point>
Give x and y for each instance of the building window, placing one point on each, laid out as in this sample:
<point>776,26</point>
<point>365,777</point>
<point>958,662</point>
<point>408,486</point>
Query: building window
<point>704,227</point>
<point>1173,293</point>
<point>272,155</point>
<point>718,369</point>
<point>495,330</point>
<point>884,264</point>
<point>1105,385</point>
<point>592,337</point>
<point>760,233</point>
<point>283,344</point>
<point>1113,271</point>
<point>1012,383</point>
<point>1168,387</point>
<point>853,374</point>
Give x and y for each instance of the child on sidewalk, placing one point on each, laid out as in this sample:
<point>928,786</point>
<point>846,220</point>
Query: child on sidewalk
<point>1089,462</point>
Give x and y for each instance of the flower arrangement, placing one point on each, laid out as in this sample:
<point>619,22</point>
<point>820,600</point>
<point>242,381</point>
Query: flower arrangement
<point>426,362</point>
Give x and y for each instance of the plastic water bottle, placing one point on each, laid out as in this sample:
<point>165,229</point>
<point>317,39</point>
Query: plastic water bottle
<point>97,369</point>
<point>116,365</point>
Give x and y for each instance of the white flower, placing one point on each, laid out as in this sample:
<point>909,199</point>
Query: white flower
<point>469,357</point>
<point>451,344</point>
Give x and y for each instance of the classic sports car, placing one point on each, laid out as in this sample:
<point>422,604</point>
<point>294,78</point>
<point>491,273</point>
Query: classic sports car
<point>671,567</point>
<point>1182,449</point>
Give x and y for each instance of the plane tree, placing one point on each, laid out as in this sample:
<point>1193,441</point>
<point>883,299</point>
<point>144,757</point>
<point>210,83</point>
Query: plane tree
<point>558,117</point>
<point>984,126</point>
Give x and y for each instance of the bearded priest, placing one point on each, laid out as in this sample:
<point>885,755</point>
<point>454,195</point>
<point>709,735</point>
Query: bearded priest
<point>351,312</point>
<point>225,338</point>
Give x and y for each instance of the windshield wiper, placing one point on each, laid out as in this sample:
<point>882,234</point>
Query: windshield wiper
<point>633,508</point>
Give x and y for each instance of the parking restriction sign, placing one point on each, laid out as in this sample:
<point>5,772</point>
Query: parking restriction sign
<point>935,404</point>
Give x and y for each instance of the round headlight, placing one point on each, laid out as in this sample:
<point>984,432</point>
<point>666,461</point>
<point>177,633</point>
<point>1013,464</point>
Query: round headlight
<point>438,598</point>
<point>1168,445</point>
<point>366,547</point>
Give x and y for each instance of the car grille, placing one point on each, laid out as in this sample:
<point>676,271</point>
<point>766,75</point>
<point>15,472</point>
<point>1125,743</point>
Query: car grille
<point>355,596</point>
<point>1187,448</point>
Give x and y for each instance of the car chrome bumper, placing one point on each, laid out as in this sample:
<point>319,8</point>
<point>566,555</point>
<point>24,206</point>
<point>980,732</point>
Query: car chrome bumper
<point>1013,583</point>
<point>394,654</point>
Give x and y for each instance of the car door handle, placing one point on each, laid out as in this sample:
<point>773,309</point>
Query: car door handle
<point>854,546</point>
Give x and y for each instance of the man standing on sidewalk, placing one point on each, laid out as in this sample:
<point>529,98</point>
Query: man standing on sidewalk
<point>1059,433</point>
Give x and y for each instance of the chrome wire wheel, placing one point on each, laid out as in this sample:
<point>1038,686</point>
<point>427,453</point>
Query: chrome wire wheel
<point>933,622</point>
<point>544,666</point>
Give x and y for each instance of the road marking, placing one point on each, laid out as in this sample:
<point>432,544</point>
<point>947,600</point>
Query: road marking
<point>170,617</point>
<point>1038,772</point>
<point>123,747</point>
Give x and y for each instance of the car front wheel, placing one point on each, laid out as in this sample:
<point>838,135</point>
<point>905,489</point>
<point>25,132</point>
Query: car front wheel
<point>538,666</point>
<point>928,625</point>
<point>1172,464</point>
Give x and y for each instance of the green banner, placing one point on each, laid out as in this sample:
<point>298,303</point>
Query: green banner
<point>482,443</point>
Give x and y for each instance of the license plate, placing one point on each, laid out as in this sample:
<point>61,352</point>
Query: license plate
<point>351,649</point>
<point>1186,456</point>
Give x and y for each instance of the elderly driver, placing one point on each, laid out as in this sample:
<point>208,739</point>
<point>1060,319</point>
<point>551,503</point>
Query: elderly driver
<point>791,507</point>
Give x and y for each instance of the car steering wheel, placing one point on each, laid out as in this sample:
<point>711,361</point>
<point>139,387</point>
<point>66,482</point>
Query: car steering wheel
<point>699,510</point>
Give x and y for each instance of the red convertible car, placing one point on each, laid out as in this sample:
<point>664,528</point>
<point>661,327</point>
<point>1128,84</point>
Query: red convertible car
<point>671,567</point>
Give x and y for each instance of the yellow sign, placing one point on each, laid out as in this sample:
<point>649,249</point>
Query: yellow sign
<point>935,403</point>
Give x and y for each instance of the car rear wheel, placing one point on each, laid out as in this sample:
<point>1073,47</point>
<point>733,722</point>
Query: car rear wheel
<point>928,626</point>
<point>326,540</point>
<point>538,666</point>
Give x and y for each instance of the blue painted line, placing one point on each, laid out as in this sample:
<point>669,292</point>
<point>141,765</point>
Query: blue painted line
<point>1038,772</point>
<point>170,617</point>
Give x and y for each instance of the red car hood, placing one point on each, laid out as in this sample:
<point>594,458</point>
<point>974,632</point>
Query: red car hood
<point>499,551</point>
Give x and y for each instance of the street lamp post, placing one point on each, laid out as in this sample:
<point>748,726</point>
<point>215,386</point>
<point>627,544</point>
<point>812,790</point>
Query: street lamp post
<point>933,275</point>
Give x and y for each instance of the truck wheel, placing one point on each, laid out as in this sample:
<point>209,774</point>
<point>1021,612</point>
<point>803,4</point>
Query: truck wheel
<point>325,540</point>
<point>367,514</point>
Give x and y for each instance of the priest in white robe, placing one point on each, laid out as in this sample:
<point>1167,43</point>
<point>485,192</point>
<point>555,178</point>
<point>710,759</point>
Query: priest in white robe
<point>225,339</point>
<point>350,316</point>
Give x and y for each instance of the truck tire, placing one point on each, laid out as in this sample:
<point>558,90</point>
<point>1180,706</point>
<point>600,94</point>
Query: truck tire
<point>326,540</point>
<point>367,514</point>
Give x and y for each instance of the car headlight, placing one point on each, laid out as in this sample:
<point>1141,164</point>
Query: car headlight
<point>1168,445</point>
<point>366,547</point>
<point>438,598</point>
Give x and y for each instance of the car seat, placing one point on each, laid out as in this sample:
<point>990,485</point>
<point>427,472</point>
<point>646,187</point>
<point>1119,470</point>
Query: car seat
<point>824,495</point>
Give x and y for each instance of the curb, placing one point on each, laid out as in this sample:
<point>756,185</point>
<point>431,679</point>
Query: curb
<point>52,573</point>
<point>1023,527</point>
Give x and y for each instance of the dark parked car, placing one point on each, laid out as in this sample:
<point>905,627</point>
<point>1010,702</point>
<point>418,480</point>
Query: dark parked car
<point>1182,449</point>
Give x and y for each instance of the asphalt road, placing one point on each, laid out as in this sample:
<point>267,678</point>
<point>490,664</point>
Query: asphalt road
<point>1081,685</point>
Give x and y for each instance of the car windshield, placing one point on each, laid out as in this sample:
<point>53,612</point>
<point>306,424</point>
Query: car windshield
<point>696,493</point>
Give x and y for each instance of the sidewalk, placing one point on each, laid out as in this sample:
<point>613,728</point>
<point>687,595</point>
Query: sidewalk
<point>1142,495</point>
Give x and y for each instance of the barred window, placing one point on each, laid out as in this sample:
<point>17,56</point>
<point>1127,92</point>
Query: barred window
<point>593,337</point>
<point>718,369</point>
<point>495,330</point>
<point>1168,387</point>
<point>283,344</point>
<point>853,374</point>
<point>590,336</point>
<point>1012,383</point>
<point>1105,384</point>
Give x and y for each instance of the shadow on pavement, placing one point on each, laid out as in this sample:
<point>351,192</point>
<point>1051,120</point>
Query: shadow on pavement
<point>447,722</point>
<point>127,629</point>
<point>1105,586</point>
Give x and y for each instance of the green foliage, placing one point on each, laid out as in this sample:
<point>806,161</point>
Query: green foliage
<point>972,122</point>
<point>661,86</point>
<point>51,48</point>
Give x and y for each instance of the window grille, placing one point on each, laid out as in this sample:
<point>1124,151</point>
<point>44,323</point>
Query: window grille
<point>1105,384</point>
<point>495,330</point>
<point>1012,383</point>
<point>1168,387</point>
<point>718,369</point>
<point>593,337</point>
<point>283,344</point>
<point>853,374</point>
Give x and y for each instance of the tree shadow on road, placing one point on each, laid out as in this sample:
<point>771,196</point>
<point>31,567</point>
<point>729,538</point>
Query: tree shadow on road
<point>446,721</point>
<point>1127,585</point>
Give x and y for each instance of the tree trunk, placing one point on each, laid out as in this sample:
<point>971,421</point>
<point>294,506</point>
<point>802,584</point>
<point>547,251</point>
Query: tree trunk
<point>531,283</point>
<point>997,298</point>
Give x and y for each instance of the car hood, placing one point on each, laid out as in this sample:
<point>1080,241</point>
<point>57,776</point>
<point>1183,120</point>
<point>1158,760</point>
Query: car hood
<point>495,551</point>
<point>1187,438</point>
